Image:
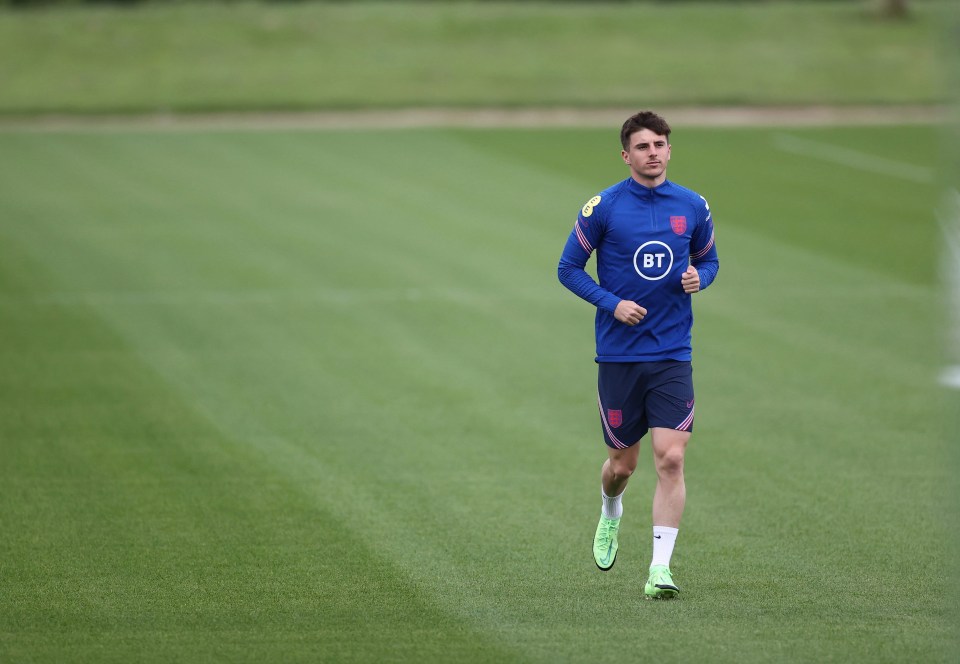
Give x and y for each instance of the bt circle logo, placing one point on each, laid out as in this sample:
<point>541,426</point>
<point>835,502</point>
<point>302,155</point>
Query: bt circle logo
<point>653,260</point>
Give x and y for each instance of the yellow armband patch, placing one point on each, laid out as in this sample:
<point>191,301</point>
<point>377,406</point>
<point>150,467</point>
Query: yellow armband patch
<point>588,207</point>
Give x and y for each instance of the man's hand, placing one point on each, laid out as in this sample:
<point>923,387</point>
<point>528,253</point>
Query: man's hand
<point>690,280</point>
<point>629,313</point>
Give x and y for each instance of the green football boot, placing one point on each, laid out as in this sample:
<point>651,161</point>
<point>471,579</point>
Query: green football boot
<point>660,584</point>
<point>605,543</point>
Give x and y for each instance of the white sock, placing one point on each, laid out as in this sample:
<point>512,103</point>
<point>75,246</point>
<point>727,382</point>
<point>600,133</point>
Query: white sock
<point>663,540</point>
<point>612,507</point>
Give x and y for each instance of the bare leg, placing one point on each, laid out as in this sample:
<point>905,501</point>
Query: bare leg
<point>618,468</point>
<point>670,496</point>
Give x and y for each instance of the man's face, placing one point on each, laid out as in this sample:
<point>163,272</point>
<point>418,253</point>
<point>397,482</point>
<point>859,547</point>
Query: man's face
<point>647,155</point>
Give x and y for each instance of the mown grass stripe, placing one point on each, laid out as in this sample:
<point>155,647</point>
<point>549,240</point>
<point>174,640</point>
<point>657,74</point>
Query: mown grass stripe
<point>854,158</point>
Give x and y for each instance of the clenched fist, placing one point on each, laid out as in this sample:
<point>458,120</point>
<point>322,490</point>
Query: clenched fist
<point>690,280</point>
<point>629,312</point>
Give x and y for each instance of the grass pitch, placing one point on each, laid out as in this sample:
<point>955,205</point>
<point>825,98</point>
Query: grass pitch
<point>315,396</point>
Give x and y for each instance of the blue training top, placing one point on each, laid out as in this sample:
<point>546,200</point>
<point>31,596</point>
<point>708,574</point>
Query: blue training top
<point>644,239</point>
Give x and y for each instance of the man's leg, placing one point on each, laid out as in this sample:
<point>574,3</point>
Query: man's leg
<point>616,470</point>
<point>623,420</point>
<point>669,499</point>
<point>670,496</point>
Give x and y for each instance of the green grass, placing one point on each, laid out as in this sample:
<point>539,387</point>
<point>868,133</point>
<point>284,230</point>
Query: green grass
<point>317,396</point>
<point>188,57</point>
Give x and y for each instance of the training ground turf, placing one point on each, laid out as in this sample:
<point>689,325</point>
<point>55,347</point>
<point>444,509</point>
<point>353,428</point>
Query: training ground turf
<point>318,396</point>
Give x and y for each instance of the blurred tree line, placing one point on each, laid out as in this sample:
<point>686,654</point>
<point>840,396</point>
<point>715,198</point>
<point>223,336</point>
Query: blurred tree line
<point>892,8</point>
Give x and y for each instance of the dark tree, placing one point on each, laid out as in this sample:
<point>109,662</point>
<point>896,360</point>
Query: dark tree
<point>894,8</point>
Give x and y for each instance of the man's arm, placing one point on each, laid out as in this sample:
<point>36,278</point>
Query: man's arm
<point>704,261</point>
<point>572,274</point>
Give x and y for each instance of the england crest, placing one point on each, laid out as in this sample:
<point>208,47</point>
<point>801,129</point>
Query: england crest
<point>678,224</point>
<point>614,417</point>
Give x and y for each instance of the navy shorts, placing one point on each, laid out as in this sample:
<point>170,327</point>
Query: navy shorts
<point>636,396</point>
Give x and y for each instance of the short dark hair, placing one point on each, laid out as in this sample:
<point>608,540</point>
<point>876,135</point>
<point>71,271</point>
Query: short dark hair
<point>643,120</point>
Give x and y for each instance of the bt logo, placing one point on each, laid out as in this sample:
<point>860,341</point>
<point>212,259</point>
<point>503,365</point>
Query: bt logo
<point>653,260</point>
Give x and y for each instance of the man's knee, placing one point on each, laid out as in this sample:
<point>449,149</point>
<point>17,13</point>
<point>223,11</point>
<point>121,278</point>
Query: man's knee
<point>670,462</point>
<point>669,448</point>
<point>622,468</point>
